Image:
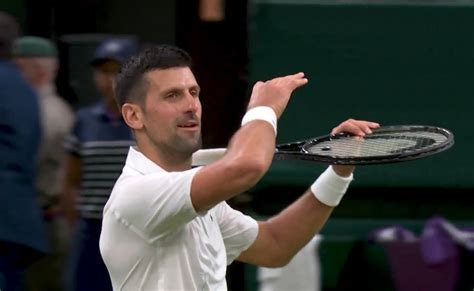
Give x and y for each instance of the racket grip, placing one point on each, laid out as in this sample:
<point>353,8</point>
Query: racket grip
<point>329,187</point>
<point>207,156</point>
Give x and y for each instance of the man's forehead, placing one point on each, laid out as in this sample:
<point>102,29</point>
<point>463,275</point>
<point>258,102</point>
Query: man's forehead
<point>172,77</point>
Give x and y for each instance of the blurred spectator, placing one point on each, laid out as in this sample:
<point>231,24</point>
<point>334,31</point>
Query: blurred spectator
<point>37,59</point>
<point>22,236</point>
<point>97,148</point>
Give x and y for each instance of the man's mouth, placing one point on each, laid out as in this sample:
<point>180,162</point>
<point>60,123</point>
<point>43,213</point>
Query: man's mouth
<point>189,124</point>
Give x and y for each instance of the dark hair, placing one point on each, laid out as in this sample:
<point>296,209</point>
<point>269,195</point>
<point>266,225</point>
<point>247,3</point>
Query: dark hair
<point>130,83</point>
<point>9,31</point>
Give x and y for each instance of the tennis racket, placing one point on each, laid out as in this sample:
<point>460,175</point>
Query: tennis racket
<point>388,144</point>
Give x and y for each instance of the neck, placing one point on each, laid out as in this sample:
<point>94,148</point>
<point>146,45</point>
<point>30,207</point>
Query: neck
<point>168,160</point>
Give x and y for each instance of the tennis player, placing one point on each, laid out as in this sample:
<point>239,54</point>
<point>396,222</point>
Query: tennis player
<point>166,225</point>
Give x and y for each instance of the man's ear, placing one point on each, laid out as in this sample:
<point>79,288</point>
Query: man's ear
<point>133,116</point>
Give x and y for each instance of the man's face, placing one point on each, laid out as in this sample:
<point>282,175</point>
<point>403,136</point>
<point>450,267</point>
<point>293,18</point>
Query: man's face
<point>29,70</point>
<point>172,111</point>
<point>104,74</point>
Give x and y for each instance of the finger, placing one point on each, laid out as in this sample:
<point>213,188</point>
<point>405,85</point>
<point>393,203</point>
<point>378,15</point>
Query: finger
<point>370,124</point>
<point>257,85</point>
<point>351,126</point>
<point>291,82</point>
<point>287,78</point>
<point>367,126</point>
<point>299,82</point>
<point>374,124</point>
<point>348,126</point>
<point>364,127</point>
<point>297,75</point>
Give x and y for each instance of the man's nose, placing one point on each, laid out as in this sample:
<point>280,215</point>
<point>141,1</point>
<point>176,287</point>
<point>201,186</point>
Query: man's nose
<point>192,102</point>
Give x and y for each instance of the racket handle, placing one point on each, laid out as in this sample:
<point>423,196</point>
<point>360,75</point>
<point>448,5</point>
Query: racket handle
<point>207,156</point>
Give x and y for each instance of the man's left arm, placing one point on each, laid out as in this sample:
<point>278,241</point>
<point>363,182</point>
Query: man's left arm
<point>282,236</point>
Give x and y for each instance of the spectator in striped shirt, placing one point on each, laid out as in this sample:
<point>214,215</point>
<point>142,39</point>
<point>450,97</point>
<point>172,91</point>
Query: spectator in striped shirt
<point>97,148</point>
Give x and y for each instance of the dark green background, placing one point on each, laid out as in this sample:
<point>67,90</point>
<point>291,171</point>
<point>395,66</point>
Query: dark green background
<point>394,64</point>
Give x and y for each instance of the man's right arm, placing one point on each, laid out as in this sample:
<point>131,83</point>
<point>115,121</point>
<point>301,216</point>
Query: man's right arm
<point>72,179</point>
<point>250,151</point>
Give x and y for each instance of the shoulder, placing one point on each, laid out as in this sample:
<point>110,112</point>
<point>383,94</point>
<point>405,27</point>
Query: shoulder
<point>14,87</point>
<point>134,184</point>
<point>134,192</point>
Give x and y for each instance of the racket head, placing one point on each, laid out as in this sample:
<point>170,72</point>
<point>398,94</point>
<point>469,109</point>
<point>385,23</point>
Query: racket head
<point>388,144</point>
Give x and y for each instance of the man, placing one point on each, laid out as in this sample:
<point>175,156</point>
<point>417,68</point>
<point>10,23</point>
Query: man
<point>37,59</point>
<point>22,236</point>
<point>167,226</point>
<point>97,149</point>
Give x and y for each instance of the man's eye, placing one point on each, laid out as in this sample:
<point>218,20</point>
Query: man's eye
<point>194,93</point>
<point>172,95</point>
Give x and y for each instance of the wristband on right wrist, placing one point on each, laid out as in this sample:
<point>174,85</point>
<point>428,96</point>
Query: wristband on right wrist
<point>264,113</point>
<point>329,187</point>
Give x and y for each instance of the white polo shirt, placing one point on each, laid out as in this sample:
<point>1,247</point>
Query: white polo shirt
<point>153,239</point>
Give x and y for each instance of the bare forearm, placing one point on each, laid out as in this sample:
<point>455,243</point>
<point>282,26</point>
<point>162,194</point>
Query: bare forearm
<point>248,157</point>
<point>68,204</point>
<point>282,236</point>
<point>253,142</point>
<point>295,226</point>
<point>251,149</point>
<point>72,178</point>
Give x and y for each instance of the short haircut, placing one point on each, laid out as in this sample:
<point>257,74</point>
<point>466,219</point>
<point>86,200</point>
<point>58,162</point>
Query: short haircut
<point>131,84</point>
<point>9,31</point>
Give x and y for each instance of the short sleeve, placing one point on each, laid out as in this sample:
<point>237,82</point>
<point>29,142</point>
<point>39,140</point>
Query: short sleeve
<point>155,205</point>
<point>238,230</point>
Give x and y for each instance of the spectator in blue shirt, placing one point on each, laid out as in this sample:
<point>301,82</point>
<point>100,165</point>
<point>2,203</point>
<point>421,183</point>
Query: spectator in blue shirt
<point>22,235</point>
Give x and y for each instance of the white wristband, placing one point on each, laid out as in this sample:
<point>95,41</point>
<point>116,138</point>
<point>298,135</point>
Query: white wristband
<point>261,113</point>
<point>329,187</point>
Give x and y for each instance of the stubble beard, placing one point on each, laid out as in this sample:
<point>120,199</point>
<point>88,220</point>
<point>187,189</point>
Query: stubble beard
<point>187,146</point>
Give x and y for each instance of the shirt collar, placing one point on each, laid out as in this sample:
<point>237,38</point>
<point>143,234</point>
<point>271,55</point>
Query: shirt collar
<point>139,162</point>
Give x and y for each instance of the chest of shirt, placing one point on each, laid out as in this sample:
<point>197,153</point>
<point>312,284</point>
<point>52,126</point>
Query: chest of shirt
<point>197,249</point>
<point>208,228</point>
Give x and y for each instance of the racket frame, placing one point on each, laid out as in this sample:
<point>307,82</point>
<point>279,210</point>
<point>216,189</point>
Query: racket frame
<point>298,150</point>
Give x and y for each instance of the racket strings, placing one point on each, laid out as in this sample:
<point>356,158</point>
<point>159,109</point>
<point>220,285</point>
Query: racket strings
<point>378,144</point>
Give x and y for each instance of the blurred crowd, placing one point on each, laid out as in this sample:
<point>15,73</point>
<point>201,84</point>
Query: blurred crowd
<point>59,162</point>
<point>57,166</point>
